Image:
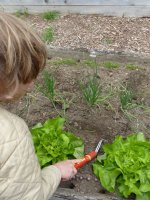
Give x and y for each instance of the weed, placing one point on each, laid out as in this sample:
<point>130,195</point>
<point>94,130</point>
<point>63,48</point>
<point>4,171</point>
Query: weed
<point>111,65</point>
<point>63,102</point>
<point>90,63</point>
<point>50,15</point>
<point>23,12</point>
<point>48,35</point>
<point>64,62</point>
<point>132,67</point>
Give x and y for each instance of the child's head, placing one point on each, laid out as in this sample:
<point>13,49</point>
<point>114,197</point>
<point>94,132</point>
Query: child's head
<point>22,56</point>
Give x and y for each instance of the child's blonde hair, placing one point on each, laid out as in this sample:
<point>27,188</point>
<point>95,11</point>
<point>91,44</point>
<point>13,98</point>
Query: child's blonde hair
<point>22,53</point>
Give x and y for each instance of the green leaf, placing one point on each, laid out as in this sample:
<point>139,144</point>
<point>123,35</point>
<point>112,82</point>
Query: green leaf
<point>143,196</point>
<point>53,144</point>
<point>125,166</point>
<point>79,152</point>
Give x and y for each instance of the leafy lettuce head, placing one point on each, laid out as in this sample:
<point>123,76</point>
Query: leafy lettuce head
<point>125,166</point>
<point>53,144</point>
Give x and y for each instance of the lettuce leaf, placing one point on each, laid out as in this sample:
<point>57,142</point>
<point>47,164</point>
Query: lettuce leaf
<point>53,144</point>
<point>125,166</point>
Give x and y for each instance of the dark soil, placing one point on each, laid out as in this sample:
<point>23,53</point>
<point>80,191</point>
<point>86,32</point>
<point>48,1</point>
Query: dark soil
<point>91,123</point>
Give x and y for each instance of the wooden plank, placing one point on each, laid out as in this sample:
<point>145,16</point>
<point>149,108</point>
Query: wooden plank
<point>70,194</point>
<point>78,2</point>
<point>128,11</point>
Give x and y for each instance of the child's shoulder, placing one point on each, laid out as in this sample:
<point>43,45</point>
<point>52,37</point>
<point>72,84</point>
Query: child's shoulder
<point>11,126</point>
<point>10,118</point>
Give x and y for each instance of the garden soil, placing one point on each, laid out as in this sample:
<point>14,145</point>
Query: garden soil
<point>92,123</point>
<point>98,32</point>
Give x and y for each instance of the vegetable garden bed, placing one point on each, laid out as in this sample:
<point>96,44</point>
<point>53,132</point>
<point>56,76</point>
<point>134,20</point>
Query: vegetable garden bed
<point>105,118</point>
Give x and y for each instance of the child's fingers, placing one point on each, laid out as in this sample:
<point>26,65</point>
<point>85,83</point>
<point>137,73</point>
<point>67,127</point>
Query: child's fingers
<point>76,161</point>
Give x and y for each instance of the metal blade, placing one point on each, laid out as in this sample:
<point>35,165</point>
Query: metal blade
<point>99,145</point>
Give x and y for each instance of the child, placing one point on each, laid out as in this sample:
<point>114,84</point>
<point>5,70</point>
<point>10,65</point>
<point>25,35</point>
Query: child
<point>22,57</point>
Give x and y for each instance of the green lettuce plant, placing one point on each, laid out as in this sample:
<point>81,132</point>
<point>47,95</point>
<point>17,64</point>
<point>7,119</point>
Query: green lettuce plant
<point>53,144</point>
<point>125,166</point>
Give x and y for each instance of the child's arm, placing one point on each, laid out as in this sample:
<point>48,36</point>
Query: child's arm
<point>63,170</point>
<point>20,173</point>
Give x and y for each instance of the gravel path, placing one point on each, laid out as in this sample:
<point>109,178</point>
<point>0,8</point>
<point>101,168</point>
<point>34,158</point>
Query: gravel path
<point>98,32</point>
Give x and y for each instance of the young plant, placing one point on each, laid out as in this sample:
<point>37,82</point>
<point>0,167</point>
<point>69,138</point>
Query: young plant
<point>56,98</point>
<point>50,15</point>
<point>53,144</point>
<point>48,35</point>
<point>111,65</point>
<point>90,63</point>
<point>132,67</point>
<point>49,84</point>
<point>23,12</point>
<point>91,91</point>
<point>126,98</point>
<point>125,166</point>
<point>64,62</point>
<point>107,40</point>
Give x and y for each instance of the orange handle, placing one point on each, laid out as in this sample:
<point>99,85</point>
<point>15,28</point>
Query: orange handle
<point>86,159</point>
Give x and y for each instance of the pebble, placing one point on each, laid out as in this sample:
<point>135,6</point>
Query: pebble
<point>76,124</point>
<point>116,117</point>
<point>110,74</point>
<point>88,178</point>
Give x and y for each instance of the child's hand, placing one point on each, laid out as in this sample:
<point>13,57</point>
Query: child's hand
<point>67,169</point>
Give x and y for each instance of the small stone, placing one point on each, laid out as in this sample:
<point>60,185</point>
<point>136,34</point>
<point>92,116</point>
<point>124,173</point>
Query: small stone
<point>116,117</point>
<point>88,178</point>
<point>76,124</point>
<point>110,74</point>
<point>81,178</point>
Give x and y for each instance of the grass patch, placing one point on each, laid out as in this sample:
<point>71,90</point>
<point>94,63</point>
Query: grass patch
<point>90,63</point>
<point>20,13</point>
<point>111,65</point>
<point>48,35</point>
<point>50,15</point>
<point>64,62</point>
<point>132,67</point>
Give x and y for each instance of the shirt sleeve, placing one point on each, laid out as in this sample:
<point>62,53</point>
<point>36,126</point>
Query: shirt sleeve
<point>51,177</point>
<point>20,174</point>
<point>47,179</point>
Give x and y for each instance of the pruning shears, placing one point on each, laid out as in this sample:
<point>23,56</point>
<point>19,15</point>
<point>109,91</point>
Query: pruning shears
<point>90,156</point>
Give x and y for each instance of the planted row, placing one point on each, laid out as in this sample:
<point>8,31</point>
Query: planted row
<point>124,167</point>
